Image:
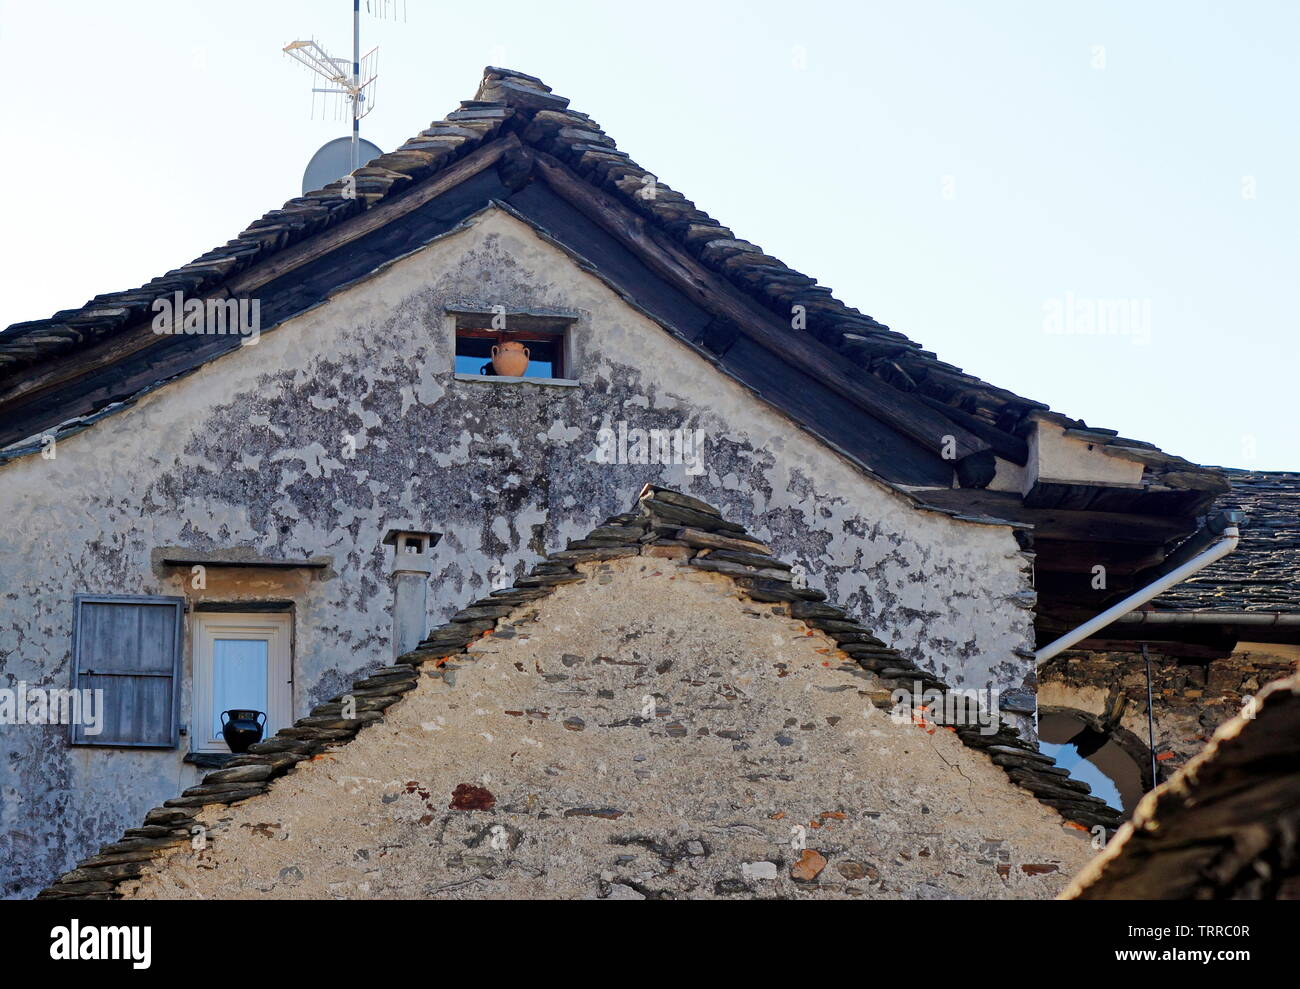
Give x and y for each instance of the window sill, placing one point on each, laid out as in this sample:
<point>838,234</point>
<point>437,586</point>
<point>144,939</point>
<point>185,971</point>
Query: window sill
<point>545,382</point>
<point>209,760</point>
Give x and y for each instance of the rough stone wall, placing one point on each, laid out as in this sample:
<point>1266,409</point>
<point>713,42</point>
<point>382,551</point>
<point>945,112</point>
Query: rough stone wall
<point>251,451</point>
<point>647,733</point>
<point>1192,698</point>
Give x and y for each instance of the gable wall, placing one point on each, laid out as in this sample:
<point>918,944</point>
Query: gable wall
<point>646,733</point>
<point>249,451</point>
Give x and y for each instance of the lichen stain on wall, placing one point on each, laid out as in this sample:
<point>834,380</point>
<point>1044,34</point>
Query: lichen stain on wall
<point>647,733</point>
<point>252,451</point>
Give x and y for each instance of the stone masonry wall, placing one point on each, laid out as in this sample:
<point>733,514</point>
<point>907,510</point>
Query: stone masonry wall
<point>1192,698</point>
<point>648,733</point>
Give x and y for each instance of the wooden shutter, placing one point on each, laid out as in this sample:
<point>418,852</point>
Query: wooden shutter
<point>130,648</point>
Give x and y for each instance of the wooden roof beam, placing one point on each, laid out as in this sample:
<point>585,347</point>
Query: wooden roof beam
<point>711,292</point>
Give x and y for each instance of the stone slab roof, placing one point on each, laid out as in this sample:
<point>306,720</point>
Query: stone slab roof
<point>1263,575</point>
<point>514,103</point>
<point>663,523</point>
<point>507,98</point>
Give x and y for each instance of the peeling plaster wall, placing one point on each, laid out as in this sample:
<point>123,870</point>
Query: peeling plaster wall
<point>646,734</point>
<point>251,451</point>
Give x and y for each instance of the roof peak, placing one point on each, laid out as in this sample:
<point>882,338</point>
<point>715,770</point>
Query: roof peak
<point>517,89</point>
<point>498,72</point>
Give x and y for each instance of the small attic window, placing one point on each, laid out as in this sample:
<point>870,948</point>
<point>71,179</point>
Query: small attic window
<point>474,352</point>
<point>513,346</point>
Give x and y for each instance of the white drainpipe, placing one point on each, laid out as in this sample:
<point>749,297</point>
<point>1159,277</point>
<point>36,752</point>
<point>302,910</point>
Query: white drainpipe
<point>1231,536</point>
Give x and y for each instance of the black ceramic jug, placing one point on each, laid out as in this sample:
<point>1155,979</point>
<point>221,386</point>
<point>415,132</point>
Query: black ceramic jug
<point>242,729</point>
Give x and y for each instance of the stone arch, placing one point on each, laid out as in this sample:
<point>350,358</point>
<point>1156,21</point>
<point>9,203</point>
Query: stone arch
<point>1114,752</point>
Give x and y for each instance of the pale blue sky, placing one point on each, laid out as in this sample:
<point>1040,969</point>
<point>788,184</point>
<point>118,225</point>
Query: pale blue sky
<point>953,169</point>
<point>1067,757</point>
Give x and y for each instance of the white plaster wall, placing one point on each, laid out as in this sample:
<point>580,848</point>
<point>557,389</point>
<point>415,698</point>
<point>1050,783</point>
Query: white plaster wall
<point>249,451</point>
<point>1056,457</point>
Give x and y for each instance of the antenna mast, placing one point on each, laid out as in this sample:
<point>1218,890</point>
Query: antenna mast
<point>352,79</point>
<point>356,83</point>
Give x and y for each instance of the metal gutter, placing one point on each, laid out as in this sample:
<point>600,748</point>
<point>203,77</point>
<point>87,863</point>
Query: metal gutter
<point>1269,619</point>
<point>1231,536</point>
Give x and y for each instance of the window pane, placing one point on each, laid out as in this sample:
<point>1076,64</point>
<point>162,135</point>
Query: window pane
<point>239,677</point>
<point>470,365</point>
<point>1094,755</point>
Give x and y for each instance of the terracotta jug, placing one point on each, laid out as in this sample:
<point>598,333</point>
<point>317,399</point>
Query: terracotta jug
<point>510,360</point>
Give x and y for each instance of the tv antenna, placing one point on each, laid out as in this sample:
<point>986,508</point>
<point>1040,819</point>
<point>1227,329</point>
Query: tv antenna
<point>353,79</point>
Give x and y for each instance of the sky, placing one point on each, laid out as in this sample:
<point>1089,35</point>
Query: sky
<point>1093,205</point>
<point>1067,757</point>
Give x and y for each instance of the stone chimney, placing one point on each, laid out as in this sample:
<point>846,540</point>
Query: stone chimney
<point>411,569</point>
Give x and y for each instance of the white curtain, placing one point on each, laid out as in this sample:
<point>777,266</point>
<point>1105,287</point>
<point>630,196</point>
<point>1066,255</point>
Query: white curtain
<point>239,678</point>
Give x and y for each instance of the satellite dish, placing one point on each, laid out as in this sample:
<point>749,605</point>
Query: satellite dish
<point>333,161</point>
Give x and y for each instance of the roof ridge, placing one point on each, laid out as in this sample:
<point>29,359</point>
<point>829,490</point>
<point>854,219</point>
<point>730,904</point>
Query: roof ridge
<point>663,521</point>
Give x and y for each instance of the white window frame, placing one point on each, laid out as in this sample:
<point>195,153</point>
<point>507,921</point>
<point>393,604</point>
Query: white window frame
<point>277,631</point>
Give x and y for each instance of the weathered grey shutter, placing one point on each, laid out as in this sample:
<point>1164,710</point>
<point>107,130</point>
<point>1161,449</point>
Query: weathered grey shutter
<point>130,648</point>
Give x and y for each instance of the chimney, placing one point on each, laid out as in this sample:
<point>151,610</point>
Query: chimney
<point>411,569</point>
